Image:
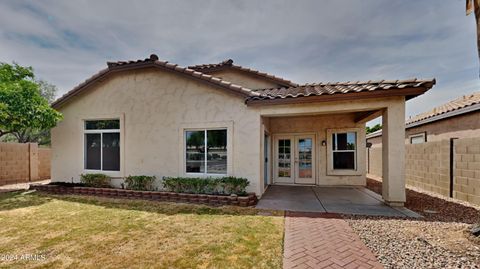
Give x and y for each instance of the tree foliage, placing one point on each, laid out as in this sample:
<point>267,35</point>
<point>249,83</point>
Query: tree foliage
<point>24,112</point>
<point>374,128</point>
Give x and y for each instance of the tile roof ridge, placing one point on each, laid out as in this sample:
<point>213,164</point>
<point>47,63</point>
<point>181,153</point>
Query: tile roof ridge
<point>229,63</point>
<point>154,61</point>
<point>463,101</point>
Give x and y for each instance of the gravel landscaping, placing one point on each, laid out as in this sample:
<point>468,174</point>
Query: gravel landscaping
<point>400,243</point>
<point>440,240</point>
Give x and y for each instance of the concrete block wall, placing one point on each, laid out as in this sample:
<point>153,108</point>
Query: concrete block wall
<point>44,163</point>
<point>427,166</point>
<point>374,161</point>
<point>23,163</point>
<point>467,170</point>
<point>14,163</point>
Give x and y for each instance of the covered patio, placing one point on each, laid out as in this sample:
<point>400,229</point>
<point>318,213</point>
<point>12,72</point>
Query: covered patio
<point>355,200</point>
<point>312,145</point>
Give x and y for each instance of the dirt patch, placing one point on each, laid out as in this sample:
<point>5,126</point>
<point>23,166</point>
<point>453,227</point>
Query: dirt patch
<point>446,211</point>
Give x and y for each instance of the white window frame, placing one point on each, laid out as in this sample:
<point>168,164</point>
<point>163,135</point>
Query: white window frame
<point>359,143</point>
<point>205,126</point>
<point>422,135</point>
<point>101,132</point>
<point>345,150</point>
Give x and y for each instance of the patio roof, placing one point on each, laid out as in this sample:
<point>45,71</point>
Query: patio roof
<point>343,90</point>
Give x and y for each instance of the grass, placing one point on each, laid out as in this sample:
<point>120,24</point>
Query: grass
<point>86,232</point>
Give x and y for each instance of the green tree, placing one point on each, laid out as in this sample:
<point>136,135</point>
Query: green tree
<point>375,128</point>
<point>24,112</point>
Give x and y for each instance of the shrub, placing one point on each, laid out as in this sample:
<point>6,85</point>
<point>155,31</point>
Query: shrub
<point>235,185</point>
<point>95,180</point>
<point>140,183</point>
<point>223,185</point>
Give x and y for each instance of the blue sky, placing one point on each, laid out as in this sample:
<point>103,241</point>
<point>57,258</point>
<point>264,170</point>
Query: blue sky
<point>304,41</point>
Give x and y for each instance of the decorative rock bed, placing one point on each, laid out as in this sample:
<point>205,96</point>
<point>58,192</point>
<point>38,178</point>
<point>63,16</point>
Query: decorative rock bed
<point>207,199</point>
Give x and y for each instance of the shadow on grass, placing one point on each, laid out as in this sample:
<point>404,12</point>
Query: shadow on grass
<point>20,199</point>
<point>24,199</point>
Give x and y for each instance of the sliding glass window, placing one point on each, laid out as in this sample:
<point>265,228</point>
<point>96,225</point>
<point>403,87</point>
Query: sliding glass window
<point>102,145</point>
<point>206,151</point>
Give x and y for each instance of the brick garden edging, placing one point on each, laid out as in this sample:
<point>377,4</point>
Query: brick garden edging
<point>206,199</point>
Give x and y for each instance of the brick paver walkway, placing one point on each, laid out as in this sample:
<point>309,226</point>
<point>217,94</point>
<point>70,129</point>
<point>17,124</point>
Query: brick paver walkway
<point>316,240</point>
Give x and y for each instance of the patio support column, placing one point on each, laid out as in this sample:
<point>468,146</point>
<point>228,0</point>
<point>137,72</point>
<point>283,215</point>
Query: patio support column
<point>393,153</point>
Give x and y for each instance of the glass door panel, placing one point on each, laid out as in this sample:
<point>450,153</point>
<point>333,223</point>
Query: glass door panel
<point>284,161</point>
<point>284,158</point>
<point>305,159</point>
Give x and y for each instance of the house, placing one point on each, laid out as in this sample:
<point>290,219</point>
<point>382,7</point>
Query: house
<point>152,117</point>
<point>459,118</point>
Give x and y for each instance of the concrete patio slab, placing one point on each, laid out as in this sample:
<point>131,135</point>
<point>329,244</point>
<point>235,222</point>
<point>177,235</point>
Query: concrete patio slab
<point>291,198</point>
<point>343,200</point>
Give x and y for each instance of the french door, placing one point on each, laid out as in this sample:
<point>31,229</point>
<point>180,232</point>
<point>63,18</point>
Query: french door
<point>294,159</point>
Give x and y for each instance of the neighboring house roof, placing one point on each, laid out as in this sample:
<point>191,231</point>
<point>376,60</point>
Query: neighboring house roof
<point>228,64</point>
<point>292,94</point>
<point>374,134</point>
<point>465,104</point>
<point>409,88</point>
<point>153,61</point>
<point>459,104</point>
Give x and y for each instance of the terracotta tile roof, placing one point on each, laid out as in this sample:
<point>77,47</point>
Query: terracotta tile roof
<point>341,88</point>
<point>207,68</point>
<point>459,103</point>
<point>153,61</point>
<point>294,94</point>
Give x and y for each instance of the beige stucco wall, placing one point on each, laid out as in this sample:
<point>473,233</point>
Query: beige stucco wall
<point>153,106</point>
<point>244,79</point>
<point>318,125</point>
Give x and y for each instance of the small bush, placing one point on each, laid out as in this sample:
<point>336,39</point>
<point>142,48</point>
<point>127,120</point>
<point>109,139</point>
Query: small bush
<point>235,185</point>
<point>140,183</point>
<point>95,180</point>
<point>223,185</point>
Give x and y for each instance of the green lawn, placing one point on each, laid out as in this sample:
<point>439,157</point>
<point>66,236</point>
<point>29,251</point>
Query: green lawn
<point>86,232</point>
